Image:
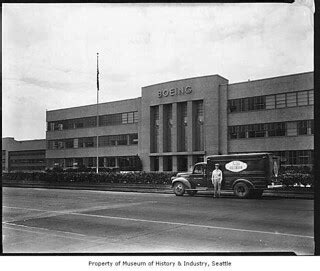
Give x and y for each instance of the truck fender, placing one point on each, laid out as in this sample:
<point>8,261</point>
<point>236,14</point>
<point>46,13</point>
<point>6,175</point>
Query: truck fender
<point>182,180</point>
<point>242,180</point>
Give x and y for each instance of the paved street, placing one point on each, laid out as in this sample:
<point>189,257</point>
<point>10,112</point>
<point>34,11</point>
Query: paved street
<point>42,220</point>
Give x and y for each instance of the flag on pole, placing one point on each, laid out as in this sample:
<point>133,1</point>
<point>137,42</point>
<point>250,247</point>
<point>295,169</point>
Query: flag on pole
<point>98,71</point>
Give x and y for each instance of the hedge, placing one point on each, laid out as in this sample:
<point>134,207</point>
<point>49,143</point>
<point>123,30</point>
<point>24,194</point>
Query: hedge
<point>291,175</point>
<point>287,177</point>
<point>162,178</point>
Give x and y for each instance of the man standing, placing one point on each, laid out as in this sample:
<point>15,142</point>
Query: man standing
<point>216,180</point>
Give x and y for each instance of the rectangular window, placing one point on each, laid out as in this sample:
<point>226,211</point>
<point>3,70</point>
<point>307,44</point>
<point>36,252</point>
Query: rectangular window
<point>310,97</point>
<point>244,104</point>
<point>113,140</point>
<point>259,102</point>
<point>135,117</point>
<point>124,117</point>
<point>292,157</point>
<point>276,129</point>
<point>133,139</point>
<point>303,127</point>
<point>69,143</point>
<point>304,157</point>
<point>232,106</point>
<point>256,130</point>
<point>232,131</point>
<point>303,98</point>
<point>130,117</point>
<point>291,99</point>
<point>89,142</point>
<point>270,101</point>
<point>113,119</point>
<point>280,100</point>
<point>79,123</point>
<point>122,140</point>
<point>292,128</point>
<point>76,143</point>
<point>251,105</point>
<point>242,133</point>
<point>199,106</point>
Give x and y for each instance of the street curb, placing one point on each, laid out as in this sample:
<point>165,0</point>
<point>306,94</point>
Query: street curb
<point>161,190</point>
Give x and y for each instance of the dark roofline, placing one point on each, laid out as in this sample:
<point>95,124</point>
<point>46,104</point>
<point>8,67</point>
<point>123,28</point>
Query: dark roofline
<point>269,78</point>
<point>185,79</point>
<point>238,154</point>
<point>24,140</point>
<point>29,140</point>
<point>93,104</point>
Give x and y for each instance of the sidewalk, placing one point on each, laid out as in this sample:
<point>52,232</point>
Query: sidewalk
<point>147,188</point>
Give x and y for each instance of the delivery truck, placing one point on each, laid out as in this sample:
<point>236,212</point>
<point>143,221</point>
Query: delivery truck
<point>247,175</point>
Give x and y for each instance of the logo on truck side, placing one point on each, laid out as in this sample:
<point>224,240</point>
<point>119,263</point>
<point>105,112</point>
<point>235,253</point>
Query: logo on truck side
<point>236,166</point>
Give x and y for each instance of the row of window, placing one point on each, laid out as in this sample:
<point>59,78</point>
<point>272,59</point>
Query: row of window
<point>27,161</point>
<point>290,99</point>
<point>27,153</point>
<point>104,120</point>
<point>89,142</point>
<point>302,157</point>
<point>293,128</point>
<point>123,162</point>
<point>27,167</point>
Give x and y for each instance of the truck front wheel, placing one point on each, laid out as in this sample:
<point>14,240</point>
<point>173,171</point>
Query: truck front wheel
<point>241,190</point>
<point>179,189</point>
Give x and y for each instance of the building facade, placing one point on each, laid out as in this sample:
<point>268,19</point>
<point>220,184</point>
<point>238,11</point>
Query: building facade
<point>176,124</point>
<point>27,155</point>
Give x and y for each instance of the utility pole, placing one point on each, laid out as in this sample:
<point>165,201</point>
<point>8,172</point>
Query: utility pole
<point>97,168</point>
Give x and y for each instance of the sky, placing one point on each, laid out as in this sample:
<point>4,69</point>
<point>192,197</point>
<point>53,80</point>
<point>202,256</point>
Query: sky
<point>49,51</point>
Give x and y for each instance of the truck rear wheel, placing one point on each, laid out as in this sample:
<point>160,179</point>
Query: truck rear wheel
<point>179,189</point>
<point>242,190</point>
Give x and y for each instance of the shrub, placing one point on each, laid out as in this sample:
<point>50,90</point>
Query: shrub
<point>161,178</point>
<point>291,178</point>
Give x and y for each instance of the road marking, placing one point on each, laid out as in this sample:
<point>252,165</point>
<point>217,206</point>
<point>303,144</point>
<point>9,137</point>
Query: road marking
<point>93,208</point>
<point>47,214</point>
<point>38,228</point>
<point>64,234</point>
<point>172,223</point>
<point>194,225</point>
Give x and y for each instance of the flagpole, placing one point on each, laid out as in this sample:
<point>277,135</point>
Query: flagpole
<point>97,168</point>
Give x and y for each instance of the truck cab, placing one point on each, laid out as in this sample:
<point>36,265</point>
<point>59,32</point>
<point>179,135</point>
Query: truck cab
<point>191,182</point>
<point>246,174</point>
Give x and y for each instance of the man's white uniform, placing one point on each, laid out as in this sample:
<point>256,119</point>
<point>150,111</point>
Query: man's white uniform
<point>216,180</point>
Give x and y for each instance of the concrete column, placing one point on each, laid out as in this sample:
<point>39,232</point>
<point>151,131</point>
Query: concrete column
<point>6,161</point>
<point>190,117</point>
<point>174,134</point>
<point>190,162</point>
<point>174,163</point>
<point>160,163</point>
<point>161,138</point>
<point>223,119</point>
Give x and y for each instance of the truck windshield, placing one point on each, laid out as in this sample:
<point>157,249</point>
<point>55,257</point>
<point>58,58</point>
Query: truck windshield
<point>198,169</point>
